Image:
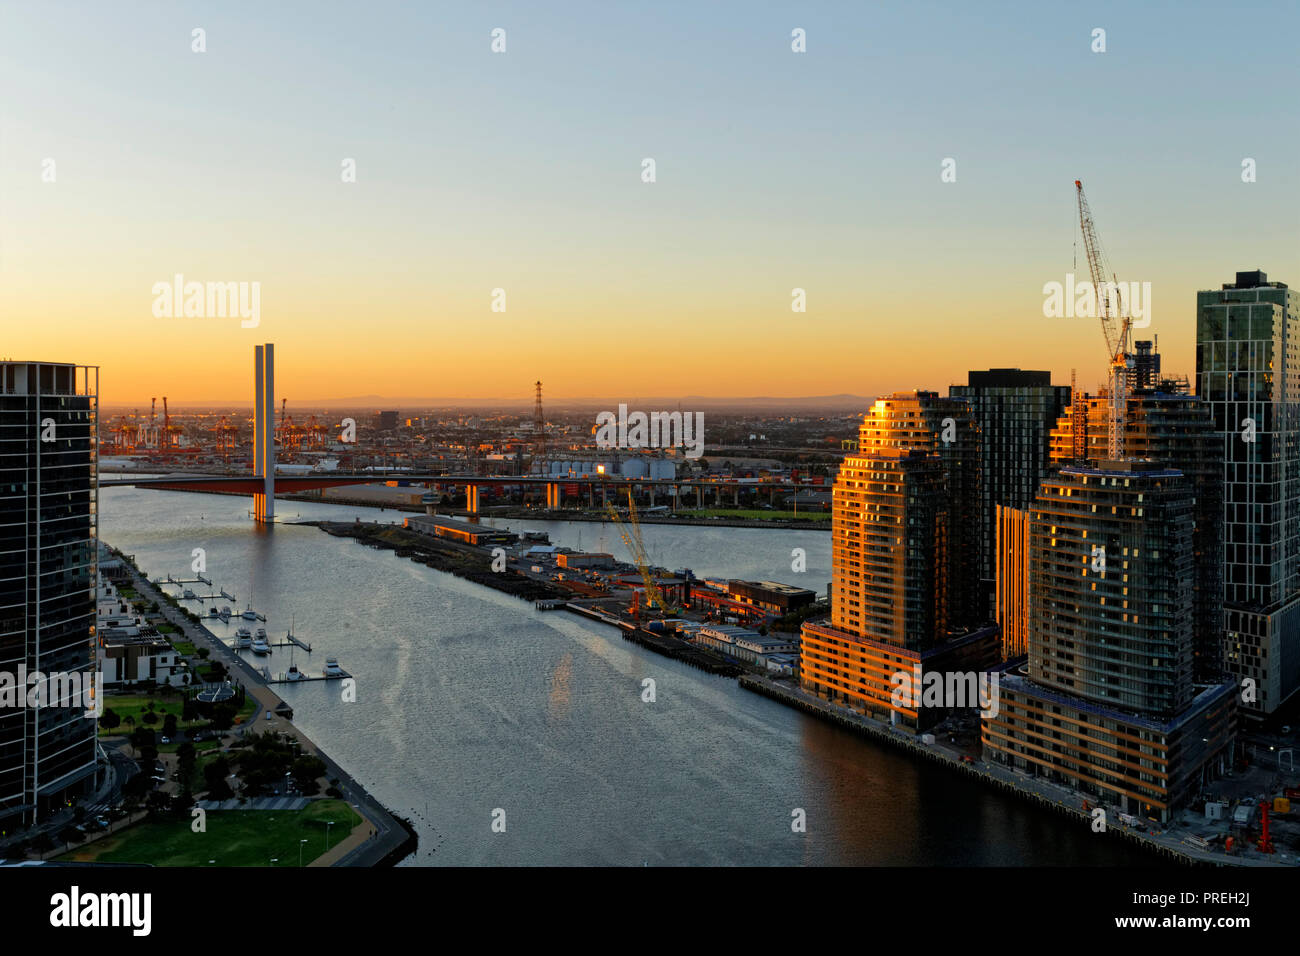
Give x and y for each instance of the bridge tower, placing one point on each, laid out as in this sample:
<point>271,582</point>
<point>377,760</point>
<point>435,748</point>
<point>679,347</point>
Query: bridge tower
<point>264,431</point>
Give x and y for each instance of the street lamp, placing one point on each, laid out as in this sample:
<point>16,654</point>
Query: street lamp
<point>300,843</point>
<point>328,824</point>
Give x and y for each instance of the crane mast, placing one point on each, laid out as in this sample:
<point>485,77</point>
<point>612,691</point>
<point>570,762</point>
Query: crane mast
<point>1115,322</point>
<point>631,534</point>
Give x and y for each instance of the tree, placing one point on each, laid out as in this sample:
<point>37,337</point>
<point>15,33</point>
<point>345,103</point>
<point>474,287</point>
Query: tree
<point>223,715</point>
<point>215,773</point>
<point>109,720</point>
<point>169,725</point>
<point>305,770</point>
<point>185,760</point>
<point>149,717</point>
<point>142,737</point>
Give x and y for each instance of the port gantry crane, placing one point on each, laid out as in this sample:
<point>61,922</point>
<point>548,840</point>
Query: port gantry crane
<point>631,533</point>
<point>1115,322</point>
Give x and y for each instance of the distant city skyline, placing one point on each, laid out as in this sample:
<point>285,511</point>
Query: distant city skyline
<point>522,171</point>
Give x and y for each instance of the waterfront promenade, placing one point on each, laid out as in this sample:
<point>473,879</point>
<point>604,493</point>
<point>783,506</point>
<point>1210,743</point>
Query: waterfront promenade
<point>380,835</point>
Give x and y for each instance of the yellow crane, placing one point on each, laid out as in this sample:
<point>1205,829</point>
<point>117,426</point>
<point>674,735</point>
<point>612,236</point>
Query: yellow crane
<point>631,533</point>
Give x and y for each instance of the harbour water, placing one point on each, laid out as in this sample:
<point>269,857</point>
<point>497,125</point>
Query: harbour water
<point>471,703</point>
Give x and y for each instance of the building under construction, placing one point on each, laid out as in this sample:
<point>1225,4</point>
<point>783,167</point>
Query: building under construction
<point>1164,423</point>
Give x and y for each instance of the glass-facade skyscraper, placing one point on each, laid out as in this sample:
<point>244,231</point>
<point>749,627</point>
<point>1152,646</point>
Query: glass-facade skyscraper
<point>1247,370</point>
<point>48,564</point>
<point>1014,411</point>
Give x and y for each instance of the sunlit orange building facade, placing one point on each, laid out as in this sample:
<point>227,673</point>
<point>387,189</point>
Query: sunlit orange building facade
<point>904,552</point>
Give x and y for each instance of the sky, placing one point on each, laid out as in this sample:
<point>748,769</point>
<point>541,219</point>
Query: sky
<point>523,171</point>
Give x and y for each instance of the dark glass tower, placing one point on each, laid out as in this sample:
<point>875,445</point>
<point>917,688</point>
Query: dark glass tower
<point>48,555</point>
<point>1014,412</point>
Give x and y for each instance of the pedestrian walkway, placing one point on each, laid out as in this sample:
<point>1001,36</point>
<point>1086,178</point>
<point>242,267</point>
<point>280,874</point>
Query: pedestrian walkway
<point>260,803</point>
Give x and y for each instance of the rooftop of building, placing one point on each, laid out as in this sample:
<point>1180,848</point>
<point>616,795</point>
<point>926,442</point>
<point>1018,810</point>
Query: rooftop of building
<point>1124,468</point>
<point>1007,378</point>
<point>775,586</point>
<point>1017,678</point>
<point>1255,279</point>
<point>110,637</point>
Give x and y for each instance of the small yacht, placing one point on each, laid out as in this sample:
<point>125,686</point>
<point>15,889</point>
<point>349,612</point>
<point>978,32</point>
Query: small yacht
<point>260,633</point>
<point>332,668</point>
<point>188,595</point>
<point>293,673</point>
<point>225,612</point>
<point>259,644</point>
<point>244,637</point>
<point>212,612</point>
<point>249,614</point>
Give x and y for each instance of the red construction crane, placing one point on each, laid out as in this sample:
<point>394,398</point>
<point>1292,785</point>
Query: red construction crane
<point>1115,321</point>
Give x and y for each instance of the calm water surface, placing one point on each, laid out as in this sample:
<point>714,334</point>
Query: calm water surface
<point>470,701</point>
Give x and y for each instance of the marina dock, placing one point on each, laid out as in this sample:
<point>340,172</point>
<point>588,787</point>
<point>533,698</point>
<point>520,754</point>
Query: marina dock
<point>282,679</point>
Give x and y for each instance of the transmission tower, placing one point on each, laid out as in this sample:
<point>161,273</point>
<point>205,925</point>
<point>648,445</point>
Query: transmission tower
<point>539,434</point>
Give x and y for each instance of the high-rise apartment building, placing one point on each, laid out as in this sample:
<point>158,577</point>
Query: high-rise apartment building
<point>1014,411</point>
<point>902,598</point>
<point>1164,423</point>
<point>1247,370</point>
<point>48,555</point>
<point>1107,702</point>
<point>1110,586</point>
<point>944,427</point>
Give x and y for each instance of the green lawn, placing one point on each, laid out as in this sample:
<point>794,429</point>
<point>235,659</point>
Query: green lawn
<point>186,648</point>
<point>135,705</point>
<point>233,838</point>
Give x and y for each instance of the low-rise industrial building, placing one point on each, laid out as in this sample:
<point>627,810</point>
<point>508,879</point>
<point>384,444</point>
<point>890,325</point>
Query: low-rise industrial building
<point>463,531</point>
<point>776,599</point>
<point>743,644</point>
